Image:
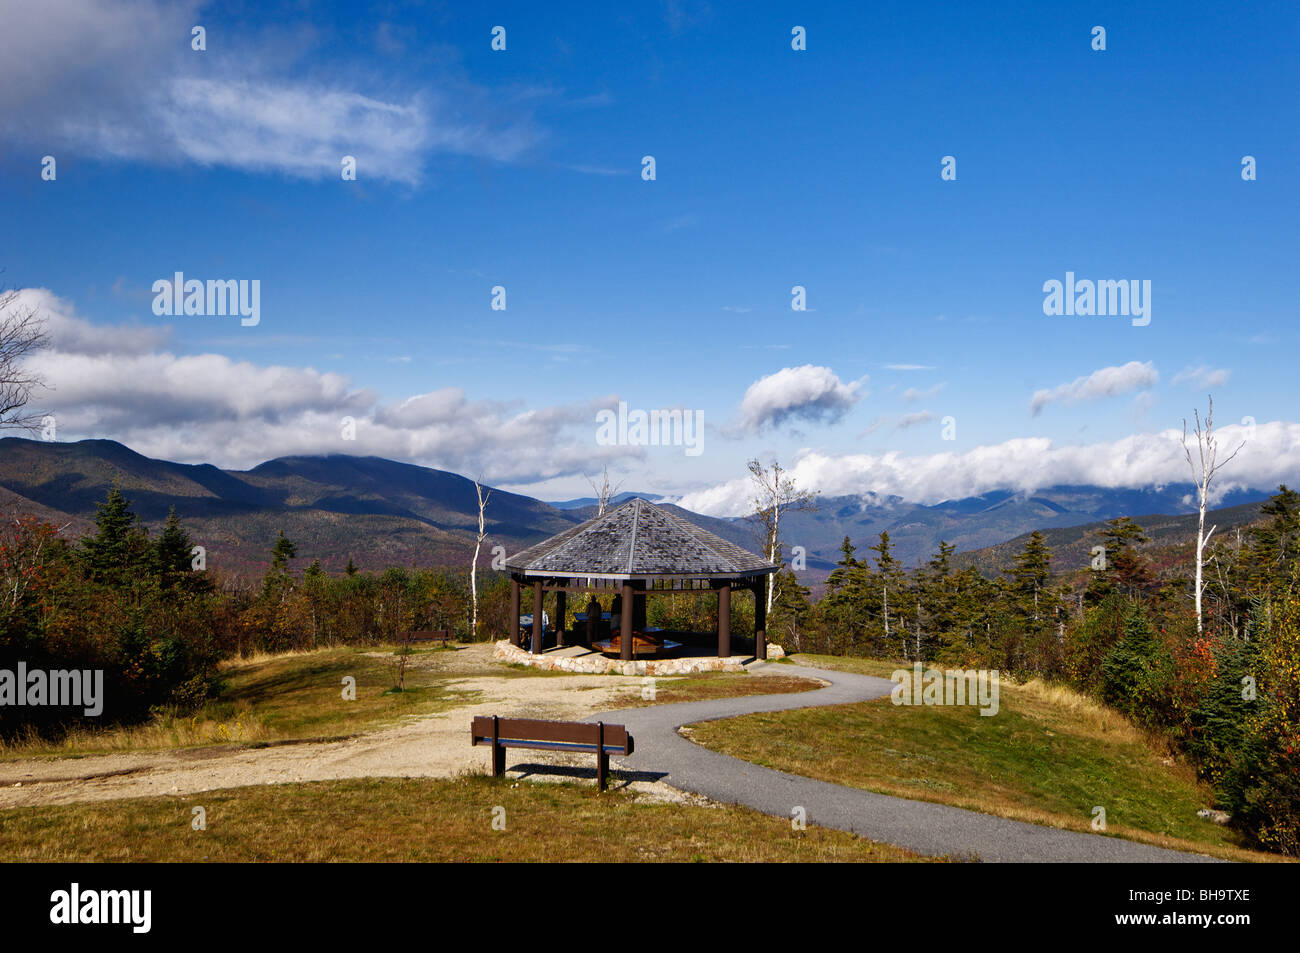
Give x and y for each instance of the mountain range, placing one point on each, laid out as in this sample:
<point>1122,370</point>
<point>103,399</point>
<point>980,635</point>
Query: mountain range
<point>380,512</point>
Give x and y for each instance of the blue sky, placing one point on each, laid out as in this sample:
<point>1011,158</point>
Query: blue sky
<point>774,168</point>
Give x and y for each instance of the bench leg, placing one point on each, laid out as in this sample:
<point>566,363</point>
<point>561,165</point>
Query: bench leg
<point>602,770</point>
<point>498,760</point>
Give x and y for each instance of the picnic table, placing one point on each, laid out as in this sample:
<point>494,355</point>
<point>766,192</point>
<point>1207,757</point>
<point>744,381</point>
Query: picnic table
<point>647,642</point>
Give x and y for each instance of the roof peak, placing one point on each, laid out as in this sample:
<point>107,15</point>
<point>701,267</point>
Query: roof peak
<point>638,539</point>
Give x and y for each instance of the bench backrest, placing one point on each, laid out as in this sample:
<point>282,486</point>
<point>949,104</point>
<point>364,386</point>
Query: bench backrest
<point>616,739</point>
<point>427,636</point>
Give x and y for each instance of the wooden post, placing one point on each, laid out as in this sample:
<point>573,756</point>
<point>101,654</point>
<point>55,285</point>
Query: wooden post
<point>625,626</point>
<point>724,620</point>
<point>538,632</point>
<point>514,612</point>
<point>602,759</point>
<point>561,607</point>
<point>760,623</point>
<point>593,621</point>
<point>498,751</point>
<point>639,609</point>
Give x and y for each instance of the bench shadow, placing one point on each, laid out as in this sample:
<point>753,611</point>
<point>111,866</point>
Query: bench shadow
<point>618,777</point>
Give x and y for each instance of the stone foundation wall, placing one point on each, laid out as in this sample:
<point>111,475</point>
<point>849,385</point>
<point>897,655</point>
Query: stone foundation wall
<point>600,665</point>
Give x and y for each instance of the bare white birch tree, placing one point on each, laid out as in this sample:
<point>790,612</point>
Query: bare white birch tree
<point>776,495</point>
<point>604,492</point>
<point>22,333</point>
<point>478,544</point>
<point>1203,473</point>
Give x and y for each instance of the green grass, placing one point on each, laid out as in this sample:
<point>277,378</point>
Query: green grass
<point>1049,756</point>
<point>392,819</point>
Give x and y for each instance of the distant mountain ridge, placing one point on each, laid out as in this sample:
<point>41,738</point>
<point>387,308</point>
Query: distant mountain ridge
<point>1071,547</point>
<point>382,512</point>
<point>973,523</point>
<point>375,511</point>
<point>589,502</point>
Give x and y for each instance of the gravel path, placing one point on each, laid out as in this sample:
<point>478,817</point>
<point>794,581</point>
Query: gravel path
<point>433,745</point>
<point>918,825</point>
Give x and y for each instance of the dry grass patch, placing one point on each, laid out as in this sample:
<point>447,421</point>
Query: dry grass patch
<point>288,696</point>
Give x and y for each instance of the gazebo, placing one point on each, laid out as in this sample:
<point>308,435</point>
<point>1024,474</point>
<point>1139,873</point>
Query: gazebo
<point>638,548</point>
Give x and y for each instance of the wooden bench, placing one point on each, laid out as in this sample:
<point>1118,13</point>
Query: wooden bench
<point>599,739</point>
<point>437,635</point>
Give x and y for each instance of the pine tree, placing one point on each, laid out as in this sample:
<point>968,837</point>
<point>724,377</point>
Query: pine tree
<point>316,583</point>
<point>351,568</point>
<point>1131,679</point>
<point>1035,606</point>
<point>1217,725</point>
<point>890,576</point>
<point>278,583</point>
<point>845,605</point>
<point>1275,546</point>
<point>937,594</point>
<point>1124,570</point>
<point>791,613</point>
<point>282,552</point>
<point>172,550</point>
<point>116,551</point>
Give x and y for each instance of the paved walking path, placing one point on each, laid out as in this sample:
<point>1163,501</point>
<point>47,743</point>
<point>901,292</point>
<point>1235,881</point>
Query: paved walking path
<point>918,825</point>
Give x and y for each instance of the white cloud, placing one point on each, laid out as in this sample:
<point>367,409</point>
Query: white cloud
<point>1106,382</point>
<point>911,420</point>
<point>207,408</point>
<point>913,393</point>
<point>807,393</point>
<point>1202,376</point>
<point>70,334</point>
<point>118,80</point>
<point>1270,456</point>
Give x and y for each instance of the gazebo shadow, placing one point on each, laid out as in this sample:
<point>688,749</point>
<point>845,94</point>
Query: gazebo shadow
<point>619,777</point>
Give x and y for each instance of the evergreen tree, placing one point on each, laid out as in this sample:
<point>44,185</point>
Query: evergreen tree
<point>1131,675</point>
<point>790,613</point>
<point>282,552</point>
<point>117,550</point>
<point>278,583</point>
<point>1217,725</point>
<point>936,596</point>
<point>1036,640</point>
<point>890,586</point>
<point>1125,570</point>
<point>846,603</point>
<point>171,550</point>
<point>973,602</point>
<point>1276,544</point>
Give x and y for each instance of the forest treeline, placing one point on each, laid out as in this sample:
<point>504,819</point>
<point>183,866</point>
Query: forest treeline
<point>1228,696</point>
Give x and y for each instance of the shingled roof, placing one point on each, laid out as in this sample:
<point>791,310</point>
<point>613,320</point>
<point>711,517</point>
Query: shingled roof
<point>638,540</point>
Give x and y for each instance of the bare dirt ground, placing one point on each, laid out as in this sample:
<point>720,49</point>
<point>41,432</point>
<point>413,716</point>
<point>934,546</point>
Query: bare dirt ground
<point>435,745</point>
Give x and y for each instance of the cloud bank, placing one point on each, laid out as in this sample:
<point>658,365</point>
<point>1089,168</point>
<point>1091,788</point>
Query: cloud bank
<point>121,382</point>
<point>1271,456</point>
